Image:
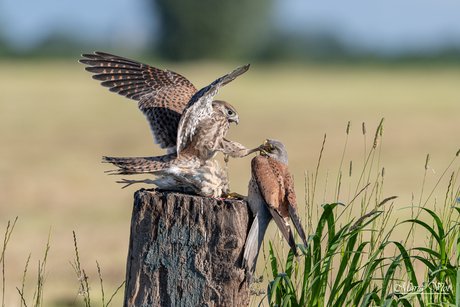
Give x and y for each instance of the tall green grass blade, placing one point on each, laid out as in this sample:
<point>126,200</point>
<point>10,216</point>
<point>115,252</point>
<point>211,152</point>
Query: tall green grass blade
<point>457,290</point>
<point>431,266</point>
<point>81,275</point>
<point>431,252</point>
<point>273,260</point>
<point>370,266</point>
<point>408,265</point>
<point>326,217</point>
<point>41,274</point>
<point>102,286</point>
<point>390,303</point>
<point>352,271</point>
<point>287,300</point>
<point>8,233</point>
<point>427,227</point>
<point>24,281</point>
<point>340,301</point>
<point>272,288</point>
<point>2,257</point>
<point>306,272</point>
<point>289,263</point>
<point>116,291</point>
<point>274,265</point>
<point>21,294</point>
<point>405,302</point>
<point>368,298</point>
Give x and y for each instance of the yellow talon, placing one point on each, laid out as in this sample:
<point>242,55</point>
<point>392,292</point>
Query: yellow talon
<point>232,195</point>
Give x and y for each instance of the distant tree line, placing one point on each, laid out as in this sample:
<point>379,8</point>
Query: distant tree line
<point>229,30</point>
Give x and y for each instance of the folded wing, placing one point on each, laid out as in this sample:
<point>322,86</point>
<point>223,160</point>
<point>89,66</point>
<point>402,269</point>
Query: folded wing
<point>269,183</point>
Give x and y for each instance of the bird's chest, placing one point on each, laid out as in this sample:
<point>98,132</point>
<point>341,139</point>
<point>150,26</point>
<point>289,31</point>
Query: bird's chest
<point>208,137</point>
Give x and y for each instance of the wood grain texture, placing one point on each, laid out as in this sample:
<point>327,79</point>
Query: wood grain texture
<point>186,250</point>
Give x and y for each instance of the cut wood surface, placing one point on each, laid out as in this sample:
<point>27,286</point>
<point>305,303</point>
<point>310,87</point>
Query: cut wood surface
<point>186,250</point>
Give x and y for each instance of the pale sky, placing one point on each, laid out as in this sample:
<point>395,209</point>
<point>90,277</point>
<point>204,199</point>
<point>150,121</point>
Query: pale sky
<point>383,26</point>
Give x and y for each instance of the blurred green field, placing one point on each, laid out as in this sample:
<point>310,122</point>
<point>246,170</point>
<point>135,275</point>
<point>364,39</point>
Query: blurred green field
<point>56,123</point>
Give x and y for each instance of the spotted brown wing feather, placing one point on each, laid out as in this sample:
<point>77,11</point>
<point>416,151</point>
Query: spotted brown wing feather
<point>268,177</point>
<point>161,94</point>
<point>200,107</point>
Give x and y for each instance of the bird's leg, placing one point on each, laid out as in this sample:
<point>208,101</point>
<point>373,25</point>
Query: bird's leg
<point>232,195</point>
<point>226,158</point>
<point>130,182</point>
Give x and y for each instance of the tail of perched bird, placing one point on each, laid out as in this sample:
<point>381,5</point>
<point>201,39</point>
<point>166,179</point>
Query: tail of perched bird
<point>254,241</point>
<point>129,166</point>
<point>297,224</point>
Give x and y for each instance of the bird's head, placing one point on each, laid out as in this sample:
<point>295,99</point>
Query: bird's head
<point>228,111</point>
<point>274,149</point>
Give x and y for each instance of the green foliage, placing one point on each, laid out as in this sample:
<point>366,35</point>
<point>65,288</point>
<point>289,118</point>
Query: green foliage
<point>352,284</point>
<point>212,29</point>
<point>348,288</point>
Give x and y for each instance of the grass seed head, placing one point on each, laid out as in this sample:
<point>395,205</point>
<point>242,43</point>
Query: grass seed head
<point>348,127</point>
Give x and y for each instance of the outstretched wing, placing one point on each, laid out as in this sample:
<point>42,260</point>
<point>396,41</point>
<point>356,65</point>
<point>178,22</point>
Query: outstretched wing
<point>266,178</point>
<point>162,94</point>
<point>200,107</point>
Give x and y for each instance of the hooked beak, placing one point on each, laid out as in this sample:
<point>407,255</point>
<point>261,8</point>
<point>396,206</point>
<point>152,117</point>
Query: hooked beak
<point>233,121</point>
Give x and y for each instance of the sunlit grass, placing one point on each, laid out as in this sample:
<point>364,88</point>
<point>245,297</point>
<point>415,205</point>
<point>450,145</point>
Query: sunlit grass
<point>56,123</point>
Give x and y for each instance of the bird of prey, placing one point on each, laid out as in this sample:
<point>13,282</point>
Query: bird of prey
<point>183,120</point>
<point>271,195</point>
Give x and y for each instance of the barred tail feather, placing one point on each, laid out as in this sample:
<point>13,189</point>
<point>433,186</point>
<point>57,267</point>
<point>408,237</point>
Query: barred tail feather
<point>129,166</point>
<point>297,224</point>
<point>254,241</point>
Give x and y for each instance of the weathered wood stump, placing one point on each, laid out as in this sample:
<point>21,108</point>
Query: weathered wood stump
<point>186,251</point>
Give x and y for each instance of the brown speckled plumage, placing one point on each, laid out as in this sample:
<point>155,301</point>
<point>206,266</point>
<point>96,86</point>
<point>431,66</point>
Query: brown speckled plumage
<point>161,94</point>
<point>183,120</point>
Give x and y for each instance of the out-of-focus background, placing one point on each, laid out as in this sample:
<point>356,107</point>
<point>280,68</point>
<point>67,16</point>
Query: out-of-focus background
<point>315,65</point>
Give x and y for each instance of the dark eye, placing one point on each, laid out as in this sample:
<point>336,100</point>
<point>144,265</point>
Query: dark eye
<point>230,112</point>
<point>272,148</point>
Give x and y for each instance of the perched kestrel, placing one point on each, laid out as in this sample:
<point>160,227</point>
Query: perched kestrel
<point>186,122</point>
<point>270,195</point>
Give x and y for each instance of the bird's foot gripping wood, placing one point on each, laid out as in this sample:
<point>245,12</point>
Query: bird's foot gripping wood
<point>232,195</point>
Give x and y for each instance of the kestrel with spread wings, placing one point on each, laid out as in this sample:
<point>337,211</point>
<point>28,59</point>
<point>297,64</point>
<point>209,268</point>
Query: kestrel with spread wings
<point>271,195</point>
<point>184,121</point>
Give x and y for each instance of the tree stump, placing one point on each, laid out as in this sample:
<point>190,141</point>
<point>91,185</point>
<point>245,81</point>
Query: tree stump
<point>186,250</point>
